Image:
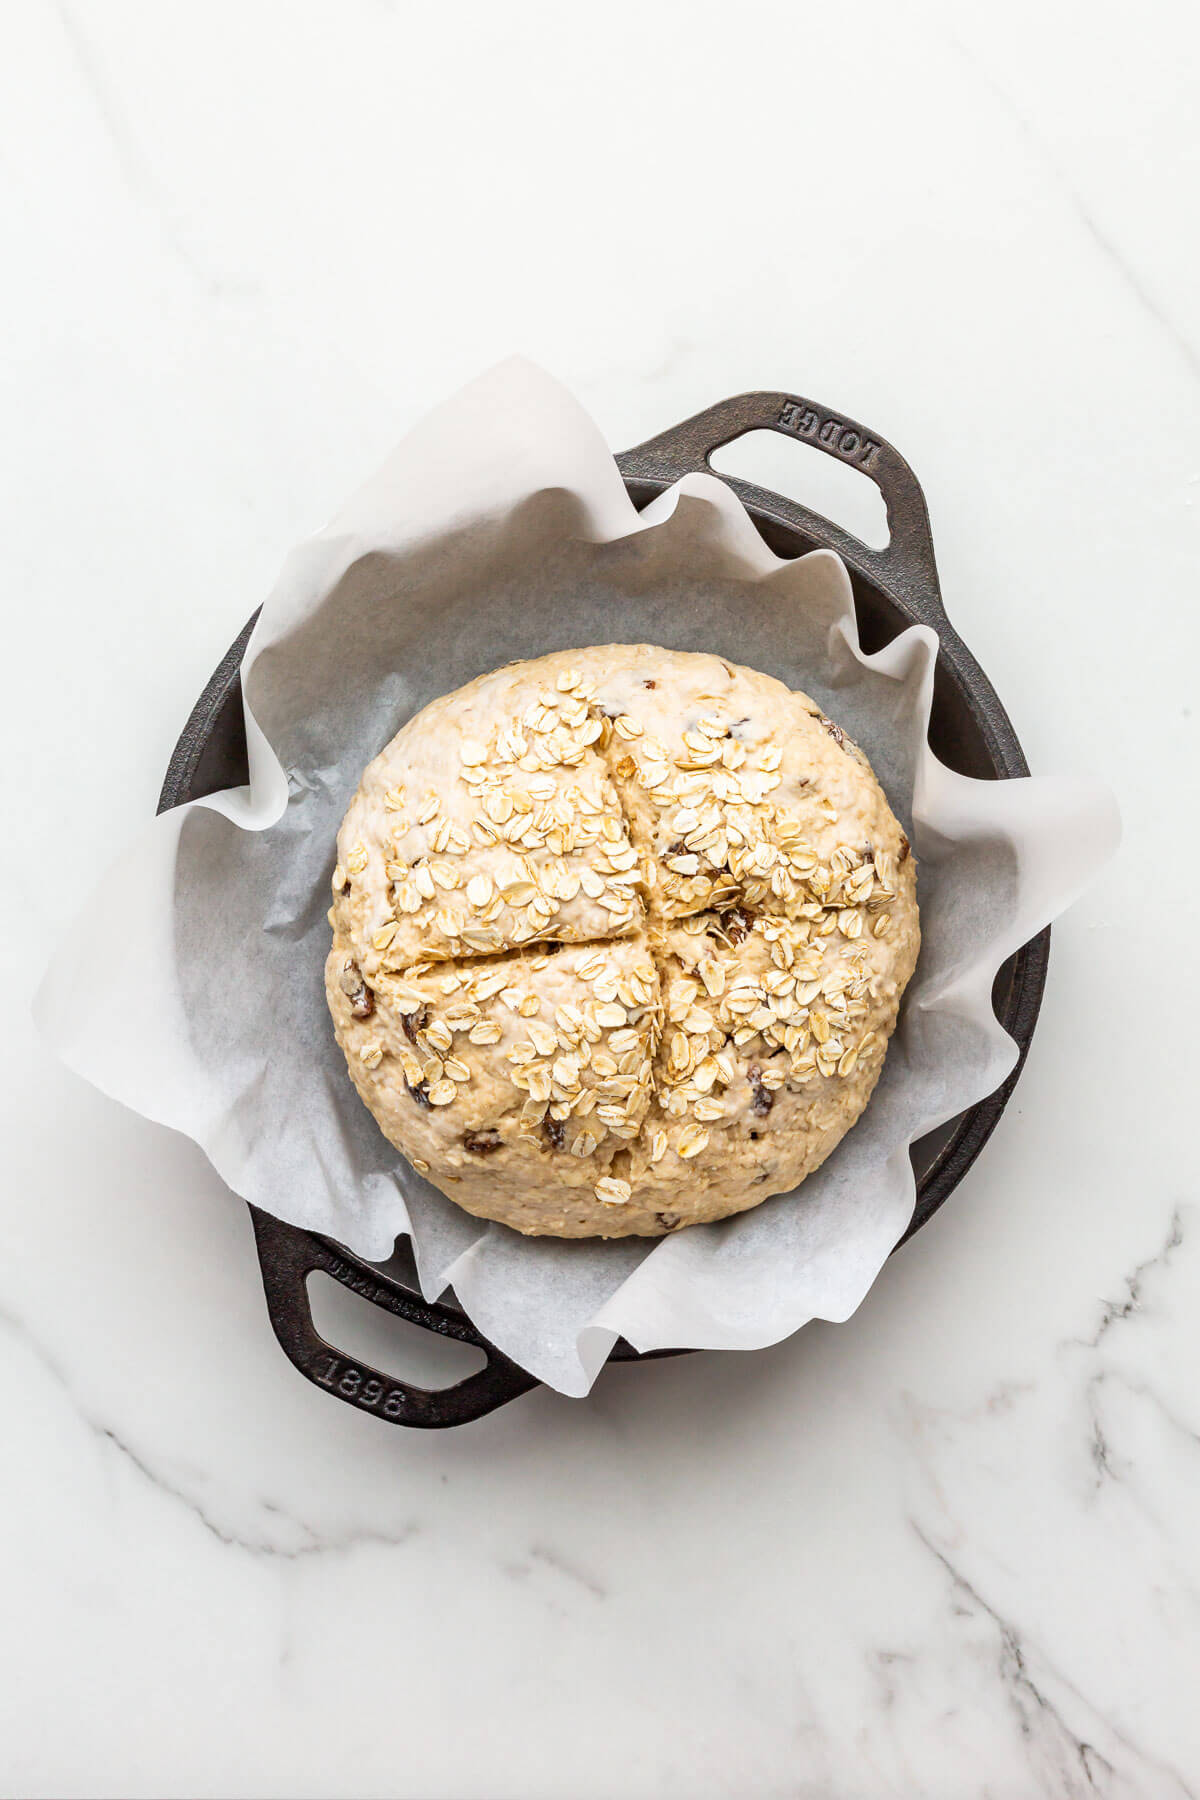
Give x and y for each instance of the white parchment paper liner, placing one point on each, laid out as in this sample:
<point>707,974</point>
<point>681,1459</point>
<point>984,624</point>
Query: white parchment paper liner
<point>191,988</point>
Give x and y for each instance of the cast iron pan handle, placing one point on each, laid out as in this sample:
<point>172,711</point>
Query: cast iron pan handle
<point>906,566</point>
<point>288,1257</point>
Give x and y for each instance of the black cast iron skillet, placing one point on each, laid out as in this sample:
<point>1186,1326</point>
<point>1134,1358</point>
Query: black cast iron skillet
<point>969,730</point>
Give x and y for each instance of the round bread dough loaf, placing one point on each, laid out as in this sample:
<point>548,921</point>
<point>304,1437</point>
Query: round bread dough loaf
<point>619,939</point>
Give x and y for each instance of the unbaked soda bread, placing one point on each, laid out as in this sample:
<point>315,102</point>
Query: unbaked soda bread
<point>619,939</point>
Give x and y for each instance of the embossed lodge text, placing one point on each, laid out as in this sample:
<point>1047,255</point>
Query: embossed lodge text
<point>804,421</point>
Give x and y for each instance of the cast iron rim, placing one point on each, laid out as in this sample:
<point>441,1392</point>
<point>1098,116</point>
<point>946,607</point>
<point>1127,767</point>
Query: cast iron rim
<point>904,574</point>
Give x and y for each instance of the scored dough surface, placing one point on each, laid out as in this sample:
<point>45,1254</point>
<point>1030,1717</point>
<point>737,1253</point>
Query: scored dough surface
<point>620,936</point>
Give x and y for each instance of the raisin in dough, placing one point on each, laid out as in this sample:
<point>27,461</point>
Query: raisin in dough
<point>619,940</point>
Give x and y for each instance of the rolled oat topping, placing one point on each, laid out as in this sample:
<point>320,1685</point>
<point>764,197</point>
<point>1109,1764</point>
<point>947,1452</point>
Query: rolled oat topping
<point>631,911</point>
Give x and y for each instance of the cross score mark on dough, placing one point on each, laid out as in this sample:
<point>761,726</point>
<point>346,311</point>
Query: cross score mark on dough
<point>726,858</point>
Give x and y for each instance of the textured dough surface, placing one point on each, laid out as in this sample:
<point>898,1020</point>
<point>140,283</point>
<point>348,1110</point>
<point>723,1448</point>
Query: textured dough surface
<point>620,936</point>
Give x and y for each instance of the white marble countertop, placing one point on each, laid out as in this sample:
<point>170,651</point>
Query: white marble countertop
<point>950,1549</point>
